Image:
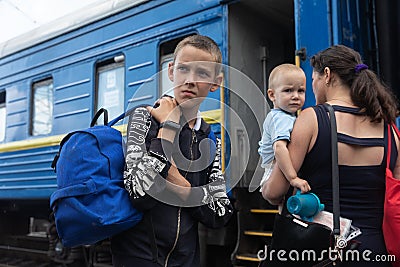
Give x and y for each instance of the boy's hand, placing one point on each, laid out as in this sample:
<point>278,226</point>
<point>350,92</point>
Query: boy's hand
<point>167,109</point>
<point>300,184</point>
<point>179,185</point>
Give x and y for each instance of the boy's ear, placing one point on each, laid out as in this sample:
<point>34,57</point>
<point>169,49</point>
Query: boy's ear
<point>171,71</point>
<point>271,94</point>
<point>217,83</point>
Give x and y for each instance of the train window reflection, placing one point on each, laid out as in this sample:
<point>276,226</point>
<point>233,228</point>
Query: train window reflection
<point>166,56</point>
<point>2,115</point>
<point>166,83</point>
<point>42,107</point>
<point>110,88</point>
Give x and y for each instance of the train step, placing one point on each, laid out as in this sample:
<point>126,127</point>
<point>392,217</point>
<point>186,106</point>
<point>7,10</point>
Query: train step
<point>258,233</point>
<point>264,211</point>
<point>248,257</point>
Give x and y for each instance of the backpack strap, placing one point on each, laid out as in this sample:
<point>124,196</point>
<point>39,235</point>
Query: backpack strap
<point>97,115</point>
<point>65,139</point>
<point>93,123</point>
<point>126,113</point>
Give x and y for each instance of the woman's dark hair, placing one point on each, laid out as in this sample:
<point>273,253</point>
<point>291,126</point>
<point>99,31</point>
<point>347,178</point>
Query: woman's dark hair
<point>367,91</point>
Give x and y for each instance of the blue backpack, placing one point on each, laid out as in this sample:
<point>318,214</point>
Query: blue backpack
<point>91,203</point>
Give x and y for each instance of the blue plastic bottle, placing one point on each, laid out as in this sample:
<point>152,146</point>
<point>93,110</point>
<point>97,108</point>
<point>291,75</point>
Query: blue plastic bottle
<point>305,205</point>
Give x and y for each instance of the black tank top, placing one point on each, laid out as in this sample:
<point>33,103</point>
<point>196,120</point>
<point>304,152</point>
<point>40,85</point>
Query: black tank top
<point>362,188</point>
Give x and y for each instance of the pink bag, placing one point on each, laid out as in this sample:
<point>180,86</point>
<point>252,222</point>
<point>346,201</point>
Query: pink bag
<point>391,215</point>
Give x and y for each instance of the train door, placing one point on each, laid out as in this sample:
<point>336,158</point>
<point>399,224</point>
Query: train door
<point>361,25</point>
<point>293,31</point>
<point>311,39</point>
<point>256,46</point>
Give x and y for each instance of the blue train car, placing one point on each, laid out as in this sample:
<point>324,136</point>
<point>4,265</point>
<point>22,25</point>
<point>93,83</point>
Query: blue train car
<point>53,79</point>
<point>112,54</point>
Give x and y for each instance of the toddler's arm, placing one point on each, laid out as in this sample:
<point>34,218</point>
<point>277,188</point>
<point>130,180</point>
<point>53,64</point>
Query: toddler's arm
<point>284,162</point>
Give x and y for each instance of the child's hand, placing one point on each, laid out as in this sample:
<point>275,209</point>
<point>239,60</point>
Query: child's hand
<point>167,109</point>
<point>300,184</point>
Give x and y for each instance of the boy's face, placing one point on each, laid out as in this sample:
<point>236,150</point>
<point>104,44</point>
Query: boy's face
<point>194,75</point>
<point>289,93</point>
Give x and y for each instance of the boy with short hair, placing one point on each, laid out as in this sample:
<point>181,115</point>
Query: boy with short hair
<point>287,87</point>
<point>173,184</point>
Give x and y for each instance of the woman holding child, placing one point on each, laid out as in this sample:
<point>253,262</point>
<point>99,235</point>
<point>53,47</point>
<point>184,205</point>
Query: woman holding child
<point>363,107</point>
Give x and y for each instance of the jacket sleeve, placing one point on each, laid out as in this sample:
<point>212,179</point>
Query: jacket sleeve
<point>216,209</point>
<point>145,167</point>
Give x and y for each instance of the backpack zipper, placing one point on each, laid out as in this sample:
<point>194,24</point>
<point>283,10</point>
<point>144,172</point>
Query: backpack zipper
<point>194,140</point>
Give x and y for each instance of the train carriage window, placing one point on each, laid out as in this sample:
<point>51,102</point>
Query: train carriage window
<point>42,107</point>
<point>167,87</point>
<point>166,56</point>
<point>2,115</point>
<point>110,86</point>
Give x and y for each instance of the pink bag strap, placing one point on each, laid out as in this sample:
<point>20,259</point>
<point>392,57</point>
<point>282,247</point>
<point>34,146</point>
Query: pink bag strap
<point>396,130</point>
<point>390,127</point>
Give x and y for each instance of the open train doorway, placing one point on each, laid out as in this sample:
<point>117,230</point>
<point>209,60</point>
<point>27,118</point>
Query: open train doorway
<point>261,36</point>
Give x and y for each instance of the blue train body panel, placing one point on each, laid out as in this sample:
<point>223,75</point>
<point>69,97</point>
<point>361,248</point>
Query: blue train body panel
<point>69,60</point>
<point>310,36</point>
<point>27,174</point>
<point>319,24</point>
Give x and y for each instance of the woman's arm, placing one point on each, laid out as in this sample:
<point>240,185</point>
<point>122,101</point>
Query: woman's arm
<point>274,189</point>
<point>303,137</point>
